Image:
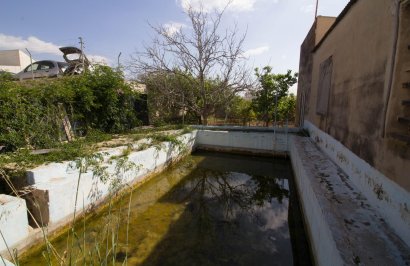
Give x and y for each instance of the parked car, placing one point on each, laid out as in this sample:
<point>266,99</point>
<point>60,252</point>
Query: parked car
<point>42,69</point>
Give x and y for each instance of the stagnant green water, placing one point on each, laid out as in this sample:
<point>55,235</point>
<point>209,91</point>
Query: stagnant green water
<point>209,209</point>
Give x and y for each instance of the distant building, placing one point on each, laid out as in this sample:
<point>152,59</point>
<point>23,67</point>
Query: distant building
<point>13,60</point>
<point>134,85</point>
<point>354,84</point>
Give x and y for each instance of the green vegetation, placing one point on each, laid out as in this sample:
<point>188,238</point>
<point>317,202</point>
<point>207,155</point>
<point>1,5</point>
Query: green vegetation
<point>274,87</point>
<point>106,247</point>
<point>23,158</point>
<point>239,111</point>
<point>172,98</point>
<point>287,108</point>
<point>32,112</point>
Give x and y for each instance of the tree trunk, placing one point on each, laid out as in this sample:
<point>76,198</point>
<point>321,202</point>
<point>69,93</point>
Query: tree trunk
<point>204,119</point>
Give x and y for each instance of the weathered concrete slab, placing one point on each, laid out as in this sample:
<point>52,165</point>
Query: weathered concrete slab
<point>13,221</point>
<point>343,227</point>
<point>391,200</point>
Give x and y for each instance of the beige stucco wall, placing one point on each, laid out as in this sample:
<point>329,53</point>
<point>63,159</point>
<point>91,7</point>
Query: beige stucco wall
<point>361,46</point>
<point>13,60</point>
<point>315,34</point>
<point>323,24</point>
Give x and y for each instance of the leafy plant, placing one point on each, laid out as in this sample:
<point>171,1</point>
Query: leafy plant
<point>273,87</point>
<point>31,112</point>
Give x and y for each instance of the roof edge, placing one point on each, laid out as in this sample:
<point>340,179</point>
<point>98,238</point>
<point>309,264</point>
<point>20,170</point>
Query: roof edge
<point>338,19</point>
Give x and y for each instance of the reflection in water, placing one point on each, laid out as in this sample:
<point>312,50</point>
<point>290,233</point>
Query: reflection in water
<point>231,218</point>
<point>210,209</point>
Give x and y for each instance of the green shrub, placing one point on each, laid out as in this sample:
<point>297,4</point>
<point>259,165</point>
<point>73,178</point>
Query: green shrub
<point>30,115</point>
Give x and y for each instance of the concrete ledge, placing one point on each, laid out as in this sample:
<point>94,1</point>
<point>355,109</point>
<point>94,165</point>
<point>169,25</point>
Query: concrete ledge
<point>249,129</point>
<point>242,151</point>
<point>391,200</point>
<point>235,140</point>
<point>343,227</point>
<point>13,221</point>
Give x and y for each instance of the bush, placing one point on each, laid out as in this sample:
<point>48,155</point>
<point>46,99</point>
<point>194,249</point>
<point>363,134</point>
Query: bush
<point>31,113</point>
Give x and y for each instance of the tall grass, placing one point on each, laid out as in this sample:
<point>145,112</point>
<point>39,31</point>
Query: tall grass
<point>94,255</point>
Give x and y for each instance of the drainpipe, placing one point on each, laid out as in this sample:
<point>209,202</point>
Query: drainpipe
<point>393,62</point>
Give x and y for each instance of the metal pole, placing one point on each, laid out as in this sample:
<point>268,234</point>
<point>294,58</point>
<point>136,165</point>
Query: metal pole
<point>31,64</point>
<point>118,61</point>
<point>276,107</point>
<point>82,52</point>
<point>317,4</point>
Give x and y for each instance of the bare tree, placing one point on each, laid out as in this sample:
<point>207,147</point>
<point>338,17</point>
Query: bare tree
<point>207,59</point>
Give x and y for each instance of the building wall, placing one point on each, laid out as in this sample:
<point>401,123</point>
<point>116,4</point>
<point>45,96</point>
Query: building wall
<point>360,47</point>
<point>400,89</point>
<point>13,60</point>
<point>316,33</point>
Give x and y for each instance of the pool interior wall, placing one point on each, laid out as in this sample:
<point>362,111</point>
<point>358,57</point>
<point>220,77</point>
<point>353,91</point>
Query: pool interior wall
<point>210,208</point>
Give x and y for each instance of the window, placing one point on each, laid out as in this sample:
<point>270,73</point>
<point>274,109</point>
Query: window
<point>46,65</point>
<point>33,67</point>
<point>325,82</point>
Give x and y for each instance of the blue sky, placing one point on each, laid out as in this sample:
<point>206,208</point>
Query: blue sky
<point>275,28</point>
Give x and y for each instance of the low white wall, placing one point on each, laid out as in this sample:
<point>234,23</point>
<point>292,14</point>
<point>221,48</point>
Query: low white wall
<point>13,221</point>
<point>60,180</point>
<point>322,243</point>
<point>267,142</point>
<point>393,203</point>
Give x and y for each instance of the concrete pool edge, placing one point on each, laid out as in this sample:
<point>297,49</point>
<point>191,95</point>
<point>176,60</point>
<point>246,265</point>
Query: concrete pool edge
<point>343,226</point>
<point>392,201</point>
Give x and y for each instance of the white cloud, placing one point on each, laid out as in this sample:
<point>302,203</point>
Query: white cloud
<point>256,51</point>
<point>208,5</point>
<point>307,8</point>
<point>33,44</point>
<point>98,59</point>
<point>172,27</point>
